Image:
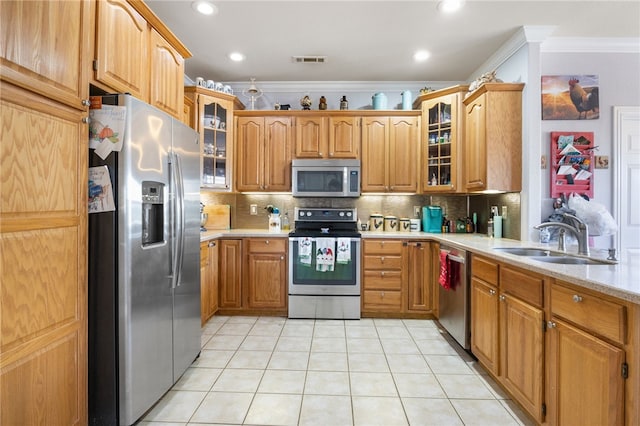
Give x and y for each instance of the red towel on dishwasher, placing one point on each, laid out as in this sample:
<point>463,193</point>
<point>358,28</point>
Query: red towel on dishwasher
<point>445,271</point>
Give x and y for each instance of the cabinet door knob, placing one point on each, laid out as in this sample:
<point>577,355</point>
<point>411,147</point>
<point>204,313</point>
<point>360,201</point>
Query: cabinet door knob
<point>492,291</point>
<point>281,257</point>
<point>86,102</point>
<point>331,154</point>
<point>551,324</point>
<point>266,242</point>
<point>86,120</point>
<point>502,298</point>
<point>382,274</point>
<point>382,259</point>
<point>320,154</point>
<point>577,298</point>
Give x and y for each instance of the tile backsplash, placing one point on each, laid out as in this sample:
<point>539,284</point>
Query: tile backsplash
<point>454,207</point>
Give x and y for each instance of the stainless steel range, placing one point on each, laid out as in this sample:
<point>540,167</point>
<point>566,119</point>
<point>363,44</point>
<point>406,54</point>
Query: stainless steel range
<point>324,264</point>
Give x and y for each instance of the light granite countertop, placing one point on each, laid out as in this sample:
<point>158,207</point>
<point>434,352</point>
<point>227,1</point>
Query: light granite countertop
<point>621,280</point>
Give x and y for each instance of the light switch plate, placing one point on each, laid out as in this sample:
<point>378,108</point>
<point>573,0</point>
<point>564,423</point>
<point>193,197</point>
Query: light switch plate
<point>504,212</point>
<point>253,209</point>
<point>416,211</point>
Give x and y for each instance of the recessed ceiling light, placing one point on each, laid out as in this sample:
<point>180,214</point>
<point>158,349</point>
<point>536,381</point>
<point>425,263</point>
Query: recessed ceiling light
<point>236,56</point>
<point>450,6</point>
<point>421,56</point>
<point>204,7</point>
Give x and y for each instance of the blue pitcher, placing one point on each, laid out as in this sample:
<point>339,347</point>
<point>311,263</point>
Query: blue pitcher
<point>379,101</point>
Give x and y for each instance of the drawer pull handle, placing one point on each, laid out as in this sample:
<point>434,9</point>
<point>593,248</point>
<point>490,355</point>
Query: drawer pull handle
<point>492,292</point>
<point>382,259</point>
<point>382,274</point>
<point>382,294</point>
<point>266,242</point>
<point>577,298</point>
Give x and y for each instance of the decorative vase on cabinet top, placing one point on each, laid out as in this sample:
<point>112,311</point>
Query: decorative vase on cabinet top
<point>379,101</point>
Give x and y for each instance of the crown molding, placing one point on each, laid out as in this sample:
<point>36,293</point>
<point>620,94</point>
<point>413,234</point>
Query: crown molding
<point>591,45</point>
<point>524,35</point>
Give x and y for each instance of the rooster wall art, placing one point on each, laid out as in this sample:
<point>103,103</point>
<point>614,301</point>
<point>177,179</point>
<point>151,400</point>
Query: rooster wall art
<point>570,97</point>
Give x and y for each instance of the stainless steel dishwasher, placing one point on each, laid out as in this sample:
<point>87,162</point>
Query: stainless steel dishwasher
<point>454,302</point>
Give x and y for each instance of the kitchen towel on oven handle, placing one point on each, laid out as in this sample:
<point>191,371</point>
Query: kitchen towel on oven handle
<point>325,258</point>
<point>344,250</point>
<point>304,250</point>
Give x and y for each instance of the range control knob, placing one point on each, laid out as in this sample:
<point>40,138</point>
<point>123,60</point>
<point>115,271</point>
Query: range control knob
<point>308,214</point>
<point>341,214</point>
<point>349,214</point>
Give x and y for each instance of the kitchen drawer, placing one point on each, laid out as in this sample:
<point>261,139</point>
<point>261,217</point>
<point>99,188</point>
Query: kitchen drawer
<point>524,285</point>
<point>382,247</point>
<point>589,312</point>
<point>382,262</point>
<point>484,269</point>
<point>382,300</point>
<point>382,280</point>
<point>268,245</point>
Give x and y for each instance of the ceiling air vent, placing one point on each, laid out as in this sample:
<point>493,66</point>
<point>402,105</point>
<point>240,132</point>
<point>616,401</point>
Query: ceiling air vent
<point>310,59</point>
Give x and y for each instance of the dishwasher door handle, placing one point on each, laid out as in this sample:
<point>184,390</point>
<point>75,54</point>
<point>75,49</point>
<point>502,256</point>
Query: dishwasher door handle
<point>456,258</point>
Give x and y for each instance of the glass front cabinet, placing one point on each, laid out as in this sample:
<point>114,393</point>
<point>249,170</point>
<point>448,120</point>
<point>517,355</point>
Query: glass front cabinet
<point>442,136</point>
<point>214,122</point>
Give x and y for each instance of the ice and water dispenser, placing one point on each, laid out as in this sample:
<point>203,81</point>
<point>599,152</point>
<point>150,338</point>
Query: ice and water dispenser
<point>152,212</point>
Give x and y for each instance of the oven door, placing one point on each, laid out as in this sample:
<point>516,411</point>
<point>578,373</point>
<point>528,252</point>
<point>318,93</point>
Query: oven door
<point>310,278</point>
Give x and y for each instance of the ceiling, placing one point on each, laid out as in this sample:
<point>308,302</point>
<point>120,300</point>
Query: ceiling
<point>373,40</point>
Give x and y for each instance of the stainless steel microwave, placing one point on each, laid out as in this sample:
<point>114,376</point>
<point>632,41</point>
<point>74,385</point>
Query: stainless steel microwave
<point>325,178</point>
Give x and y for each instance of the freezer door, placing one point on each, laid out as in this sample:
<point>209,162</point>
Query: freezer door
<point>186,302</point>
<point>145,294</point>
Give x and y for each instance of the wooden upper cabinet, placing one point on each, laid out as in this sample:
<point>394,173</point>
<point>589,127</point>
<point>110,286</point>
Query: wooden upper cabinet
<point>442,139</point>
<point>327,136</point>
<point>167,76</point>
<point>122,48</point>
<point>311,137</point>
<point>264,153</point>
<point>390,154</point>
<point>493,141</point>
<point>45,48</point>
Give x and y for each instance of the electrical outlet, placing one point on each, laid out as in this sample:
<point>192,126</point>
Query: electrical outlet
<point>416,211</point>
<point>253,209</point>
<point>504,212</point>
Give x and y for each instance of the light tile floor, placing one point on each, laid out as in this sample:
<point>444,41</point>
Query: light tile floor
<point>275,371</point>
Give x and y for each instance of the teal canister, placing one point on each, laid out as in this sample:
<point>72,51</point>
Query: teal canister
<point>406,100</point>
<point>432,219</point>
<point>379,101</point>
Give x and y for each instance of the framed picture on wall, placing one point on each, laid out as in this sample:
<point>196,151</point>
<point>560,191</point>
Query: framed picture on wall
<point>570,97</point>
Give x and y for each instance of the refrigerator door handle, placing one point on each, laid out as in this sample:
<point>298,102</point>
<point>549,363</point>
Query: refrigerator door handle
<point>177,219</point>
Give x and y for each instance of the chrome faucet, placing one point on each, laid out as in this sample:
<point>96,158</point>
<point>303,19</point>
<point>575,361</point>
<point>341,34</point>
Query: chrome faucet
<point>580,230</point>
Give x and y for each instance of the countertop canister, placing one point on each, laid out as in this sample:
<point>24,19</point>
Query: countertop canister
<point>391,224</point>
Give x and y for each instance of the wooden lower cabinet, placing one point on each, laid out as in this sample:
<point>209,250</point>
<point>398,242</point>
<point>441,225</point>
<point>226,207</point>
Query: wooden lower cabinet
<point>484,323</point>
<point>587,386</point>
<point>230,284</point>
<point>397,277</point>
<point>522,358</point>
<point>208,280</point>
<point>266,273</point>
<point>507,330</point>
<point>588,359</point>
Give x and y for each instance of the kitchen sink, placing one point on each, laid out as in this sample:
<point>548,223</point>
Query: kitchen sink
<point>571,260</point>
<point>549,256</point>
<point>525,251</point>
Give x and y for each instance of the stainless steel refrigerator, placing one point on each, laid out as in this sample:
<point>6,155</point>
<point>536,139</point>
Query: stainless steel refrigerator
<point>144,273</point>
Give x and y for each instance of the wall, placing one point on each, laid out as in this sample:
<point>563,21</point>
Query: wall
<point>619,85</point>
